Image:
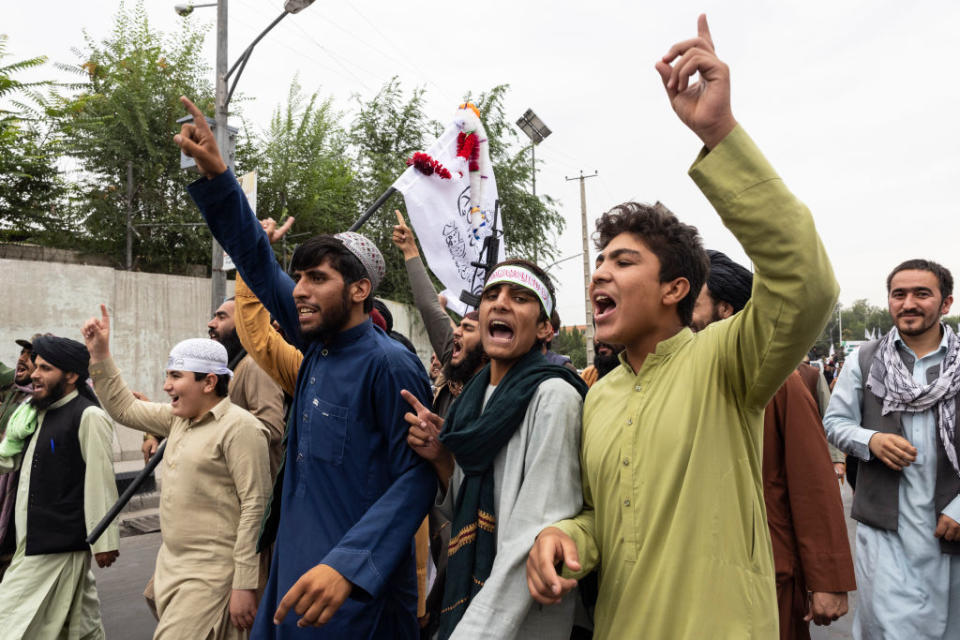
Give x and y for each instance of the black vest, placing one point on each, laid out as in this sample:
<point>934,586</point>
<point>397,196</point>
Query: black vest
<point>55,518</point>
<point>876,501</point>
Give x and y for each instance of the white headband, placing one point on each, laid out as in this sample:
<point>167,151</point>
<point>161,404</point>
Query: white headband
<point>515,274</point>
<point>199,355</point>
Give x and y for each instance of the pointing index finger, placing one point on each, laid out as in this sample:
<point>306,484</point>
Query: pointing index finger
<point>703,29</point>
<point>105,317</point>
<point>199,120</point>
<point>412,401</point>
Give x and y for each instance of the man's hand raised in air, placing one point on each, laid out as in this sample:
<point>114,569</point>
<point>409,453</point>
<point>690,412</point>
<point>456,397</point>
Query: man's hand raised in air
<point>197,141</point>
<point>704,106</point>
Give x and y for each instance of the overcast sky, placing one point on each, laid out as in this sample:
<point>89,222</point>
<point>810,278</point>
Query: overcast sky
<point>851,101</point>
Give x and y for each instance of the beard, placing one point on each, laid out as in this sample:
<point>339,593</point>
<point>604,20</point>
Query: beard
<point>927,324</point>
<point>332,321</point>
<point>461,373</point>
<point>230,342</point>
<point>606,363</point>
<point>53,394</point>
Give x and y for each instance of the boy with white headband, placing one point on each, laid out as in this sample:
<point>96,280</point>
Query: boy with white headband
<point>216,472</point>
<point>508,463</point>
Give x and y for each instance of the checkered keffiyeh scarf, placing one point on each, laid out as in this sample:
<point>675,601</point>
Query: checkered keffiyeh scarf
<point>890,381</point>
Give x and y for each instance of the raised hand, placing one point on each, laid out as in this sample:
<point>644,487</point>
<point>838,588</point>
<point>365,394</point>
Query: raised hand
<point>552,546</point>
<point>197,141</point>
<point>424,437</point>
<point>403,238</point>
<point>96,335</point>
<point>274,232</point>
<point>704,106</point>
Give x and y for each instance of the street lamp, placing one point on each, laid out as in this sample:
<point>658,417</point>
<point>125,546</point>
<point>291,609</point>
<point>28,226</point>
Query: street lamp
<point>531,124</point>
<point>186,9</point>
<point>221,132</point>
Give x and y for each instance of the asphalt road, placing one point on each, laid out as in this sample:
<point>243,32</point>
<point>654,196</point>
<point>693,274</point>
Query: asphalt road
<point>126,616</point>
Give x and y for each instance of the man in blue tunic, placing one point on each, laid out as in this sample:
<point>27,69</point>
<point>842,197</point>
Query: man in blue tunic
<point>351,493</point>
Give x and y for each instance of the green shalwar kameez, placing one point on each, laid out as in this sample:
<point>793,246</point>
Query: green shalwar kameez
<point>671,455</point>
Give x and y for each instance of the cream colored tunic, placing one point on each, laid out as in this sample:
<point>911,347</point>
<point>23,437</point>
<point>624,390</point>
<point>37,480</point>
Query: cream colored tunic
<point>216,481</point>
<point>54,595</point>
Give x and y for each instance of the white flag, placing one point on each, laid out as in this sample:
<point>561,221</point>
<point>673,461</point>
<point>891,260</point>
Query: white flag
<point>866,334</point>
<point>439,211</point>
<point>832,352</point>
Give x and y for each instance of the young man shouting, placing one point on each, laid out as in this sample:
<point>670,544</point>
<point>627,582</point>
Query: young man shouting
<point>673,438</point>
<point>352,493</point>
<point>507,462</point>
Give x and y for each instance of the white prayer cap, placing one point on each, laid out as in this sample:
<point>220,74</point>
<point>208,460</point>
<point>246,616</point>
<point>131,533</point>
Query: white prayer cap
<point>199,355</point>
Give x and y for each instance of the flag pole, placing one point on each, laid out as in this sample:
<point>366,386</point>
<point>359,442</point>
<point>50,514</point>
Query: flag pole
<point>379,202</point>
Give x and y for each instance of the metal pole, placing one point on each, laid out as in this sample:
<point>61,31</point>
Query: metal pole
<point>373,209</point>
<point>218,279</point>
<point>129,215</point>
<point>533,156</point>
<point>125,498</point>
<point>586,264</point>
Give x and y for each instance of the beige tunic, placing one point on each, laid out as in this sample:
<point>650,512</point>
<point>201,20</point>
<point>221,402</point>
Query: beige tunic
<point>216,475</point>
<point>54,595</point>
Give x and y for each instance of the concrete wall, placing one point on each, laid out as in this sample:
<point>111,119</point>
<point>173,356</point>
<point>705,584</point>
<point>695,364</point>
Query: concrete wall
<point>149,314</point>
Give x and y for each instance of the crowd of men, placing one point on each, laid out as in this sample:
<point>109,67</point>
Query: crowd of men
<point>317,483</point>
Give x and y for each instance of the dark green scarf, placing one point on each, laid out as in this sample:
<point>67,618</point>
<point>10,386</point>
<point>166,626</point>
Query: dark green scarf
<point>475,439</point>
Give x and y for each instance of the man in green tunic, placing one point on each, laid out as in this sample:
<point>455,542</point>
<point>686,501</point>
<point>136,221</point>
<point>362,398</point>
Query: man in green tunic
<point>672,439</point>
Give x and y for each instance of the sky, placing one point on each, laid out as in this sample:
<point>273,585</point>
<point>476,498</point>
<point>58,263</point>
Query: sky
<point>848,100</point>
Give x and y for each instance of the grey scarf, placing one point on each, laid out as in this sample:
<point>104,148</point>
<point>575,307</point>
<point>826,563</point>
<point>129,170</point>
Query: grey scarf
<point>890,381</point>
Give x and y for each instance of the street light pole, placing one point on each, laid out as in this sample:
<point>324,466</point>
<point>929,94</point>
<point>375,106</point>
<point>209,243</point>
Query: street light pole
<point>218,277</point>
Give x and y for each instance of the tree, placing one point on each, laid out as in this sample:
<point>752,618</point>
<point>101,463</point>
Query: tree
<point>530,223</point>
<point>572,342</point>
<point>31,187</point>
<point>124,111</point>
<point>303,166</point>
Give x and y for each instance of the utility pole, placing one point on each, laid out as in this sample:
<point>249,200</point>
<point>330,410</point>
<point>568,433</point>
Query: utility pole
<point>533,161</point>
<point>218,278</point>
<point>586,263</point>
<point>129,215</point>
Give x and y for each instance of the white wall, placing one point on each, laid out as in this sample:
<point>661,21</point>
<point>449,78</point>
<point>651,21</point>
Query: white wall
<point>149,314</point>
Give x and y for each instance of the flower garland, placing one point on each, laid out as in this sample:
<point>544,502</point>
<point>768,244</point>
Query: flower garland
<point>427,165</point>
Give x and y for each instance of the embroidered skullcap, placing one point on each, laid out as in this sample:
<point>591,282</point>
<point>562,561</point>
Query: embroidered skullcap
<point>199,355</point>
<point>728,281</point>
<point>63,353</point>
<point>367,253</point>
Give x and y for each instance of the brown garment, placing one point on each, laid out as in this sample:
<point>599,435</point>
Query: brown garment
<point>253,389</point>
<point>811,551</point>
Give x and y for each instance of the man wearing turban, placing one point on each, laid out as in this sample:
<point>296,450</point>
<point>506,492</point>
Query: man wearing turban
<point>65,488</point>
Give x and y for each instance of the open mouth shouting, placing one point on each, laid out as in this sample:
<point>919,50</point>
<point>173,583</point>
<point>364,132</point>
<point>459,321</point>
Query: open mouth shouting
<point>307,313</point>
<point>603,307</point>
<point>501,332</point>
<point>457,348</point>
